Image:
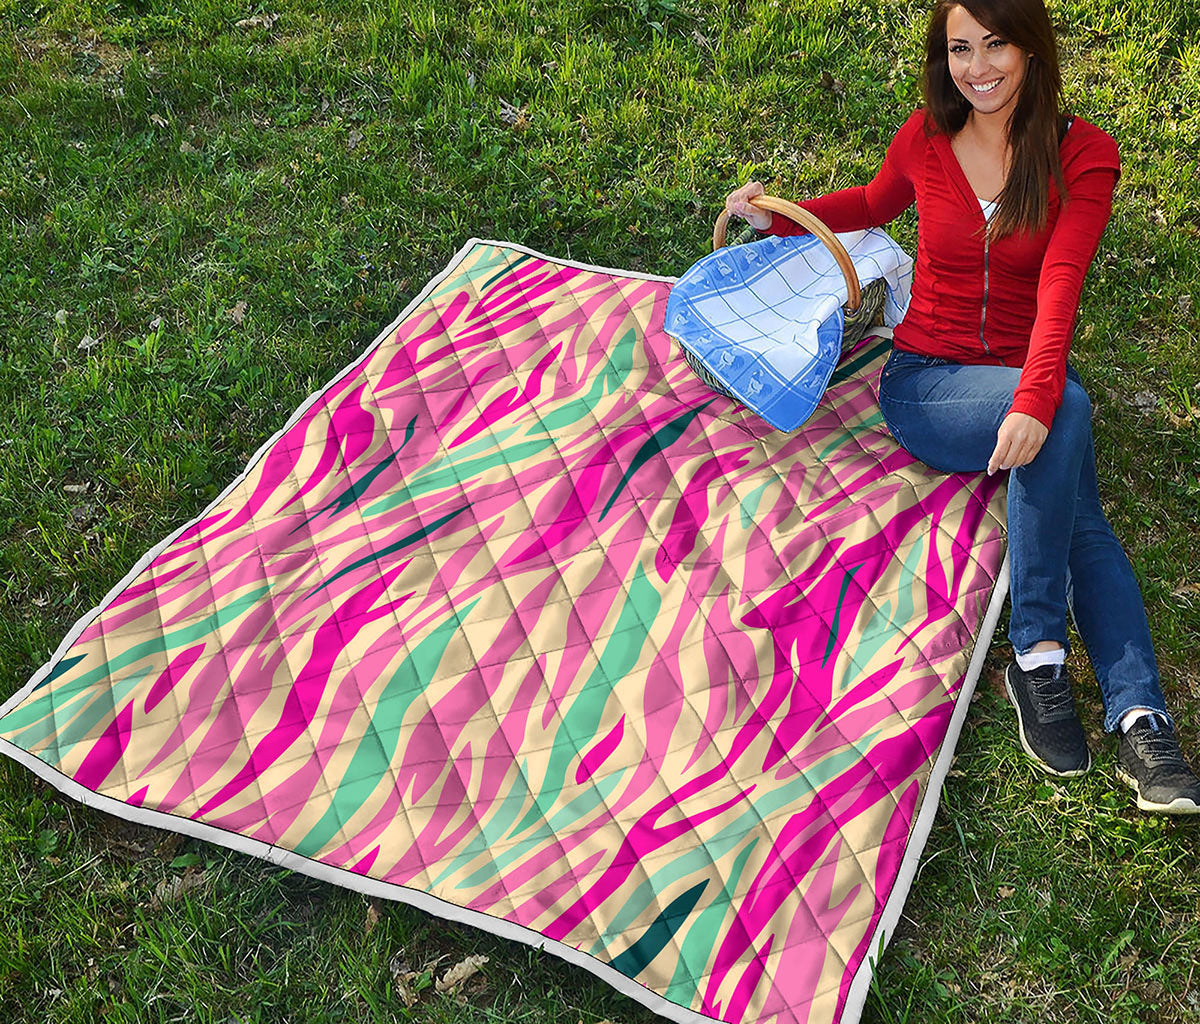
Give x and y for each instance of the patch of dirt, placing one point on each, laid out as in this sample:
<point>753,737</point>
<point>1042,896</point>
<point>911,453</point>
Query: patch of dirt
<point>84,53</point>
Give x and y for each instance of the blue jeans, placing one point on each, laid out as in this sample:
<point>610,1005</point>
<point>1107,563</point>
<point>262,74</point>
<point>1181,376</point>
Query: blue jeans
<point>1062,552</point>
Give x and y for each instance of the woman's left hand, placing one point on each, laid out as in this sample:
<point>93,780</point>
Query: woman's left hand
<point>1018,441</point>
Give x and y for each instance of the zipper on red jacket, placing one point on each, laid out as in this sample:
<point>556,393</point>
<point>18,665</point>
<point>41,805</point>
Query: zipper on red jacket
<point>983,308</point>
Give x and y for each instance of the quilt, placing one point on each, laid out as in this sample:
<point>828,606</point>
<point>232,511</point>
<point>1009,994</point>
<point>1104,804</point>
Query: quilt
<point>518,622</point>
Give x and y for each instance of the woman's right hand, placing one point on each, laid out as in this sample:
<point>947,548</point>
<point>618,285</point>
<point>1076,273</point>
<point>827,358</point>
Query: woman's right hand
<point>737,204</point>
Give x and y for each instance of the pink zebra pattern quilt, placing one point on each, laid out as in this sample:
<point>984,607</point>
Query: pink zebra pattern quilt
<point>518,622</point>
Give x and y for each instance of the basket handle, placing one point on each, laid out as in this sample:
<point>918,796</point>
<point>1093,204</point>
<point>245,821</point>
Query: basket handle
<point>816,226</point>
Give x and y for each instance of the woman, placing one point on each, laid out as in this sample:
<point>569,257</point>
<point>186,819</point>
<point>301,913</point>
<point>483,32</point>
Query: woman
<point>1012,198</point>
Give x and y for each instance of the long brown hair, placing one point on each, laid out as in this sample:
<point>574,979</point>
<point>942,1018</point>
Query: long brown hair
<point>1037,124</point>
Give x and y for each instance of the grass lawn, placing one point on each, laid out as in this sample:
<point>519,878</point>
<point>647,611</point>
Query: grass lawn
<point>200,223</point>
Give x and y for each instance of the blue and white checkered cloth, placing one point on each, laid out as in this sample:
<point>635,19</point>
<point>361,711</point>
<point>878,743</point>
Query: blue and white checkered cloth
<point>765,319</point>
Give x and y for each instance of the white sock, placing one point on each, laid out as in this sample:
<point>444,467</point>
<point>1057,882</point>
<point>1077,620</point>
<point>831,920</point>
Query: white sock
<point>1130,717</point>
<point>1028,662</point>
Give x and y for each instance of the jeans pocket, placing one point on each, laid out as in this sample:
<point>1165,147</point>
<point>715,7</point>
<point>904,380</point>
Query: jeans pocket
<point>899,361</point>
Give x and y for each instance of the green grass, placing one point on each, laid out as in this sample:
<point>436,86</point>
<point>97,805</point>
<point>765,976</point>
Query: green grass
<point>159,167</point>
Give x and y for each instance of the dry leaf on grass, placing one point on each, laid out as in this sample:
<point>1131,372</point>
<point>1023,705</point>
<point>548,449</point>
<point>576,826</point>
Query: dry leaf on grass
<point>171,889</point>
<point>158,120</point>
<point>355,138</point>
<point>372,917</point>
<point>404,988</point>
<point>257,21</point>
<point>832,84</point>
<point>87,341</point>
<point>460,972</point>
<point>126,848</point>
<point>511,115</point>
<point>404,978</point>
<point>238,312</point>
<point>1145,400</point>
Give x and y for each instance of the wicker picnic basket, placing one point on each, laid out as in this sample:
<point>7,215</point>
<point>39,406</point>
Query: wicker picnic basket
<point>862,310</point>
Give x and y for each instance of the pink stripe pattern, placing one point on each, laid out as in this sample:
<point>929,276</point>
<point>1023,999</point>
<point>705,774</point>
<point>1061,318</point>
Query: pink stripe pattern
<point>518,614</point>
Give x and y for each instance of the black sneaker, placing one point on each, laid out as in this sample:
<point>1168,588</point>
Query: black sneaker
<point>1149,760</point>
<point>1050,730</point>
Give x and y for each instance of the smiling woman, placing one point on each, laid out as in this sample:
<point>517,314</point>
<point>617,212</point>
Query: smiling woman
<point>979,378</point>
